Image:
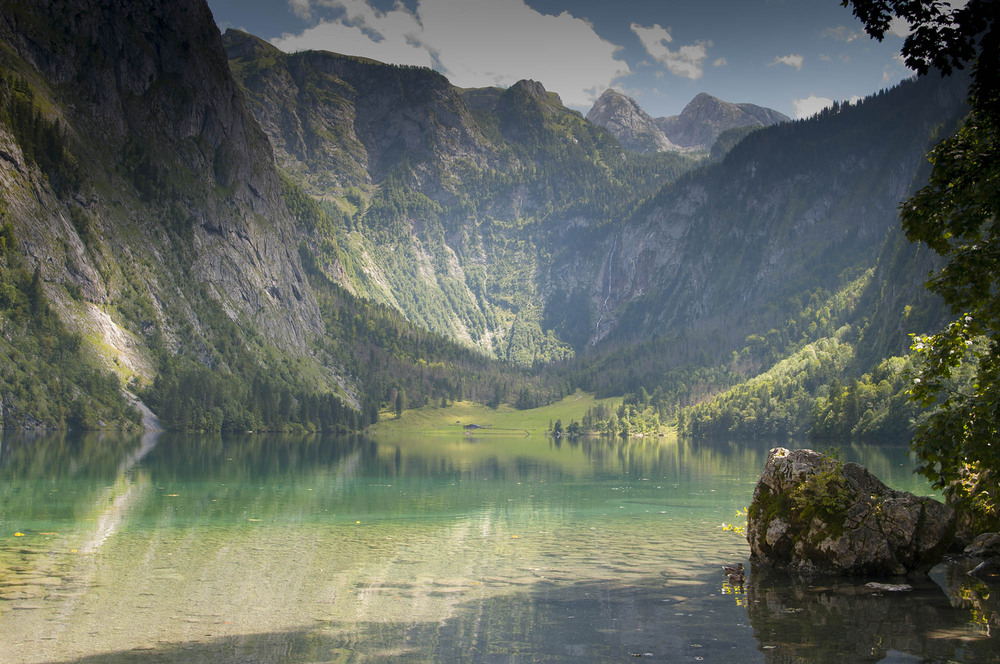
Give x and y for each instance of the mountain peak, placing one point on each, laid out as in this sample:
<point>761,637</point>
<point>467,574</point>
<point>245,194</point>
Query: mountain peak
<point>706,116</point>
<point>696,128</point>
<point>703,97</point>
<point>632,126</point>
<point>535,90</point>
<point>239,44</point>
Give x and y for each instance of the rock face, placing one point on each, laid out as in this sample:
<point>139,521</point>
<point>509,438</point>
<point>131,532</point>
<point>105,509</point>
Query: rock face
<point>811,514</point>
<point>632,126</point>
<point>705,117</point>
<point>144,90</point>
<point>986,545</point>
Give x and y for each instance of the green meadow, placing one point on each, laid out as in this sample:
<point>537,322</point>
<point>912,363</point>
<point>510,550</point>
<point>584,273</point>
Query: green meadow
<point>503,420</point>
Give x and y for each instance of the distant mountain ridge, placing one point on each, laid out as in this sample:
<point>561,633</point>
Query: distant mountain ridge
<point>720,247</point>
<point>696,127</point>
<point>705,117</point>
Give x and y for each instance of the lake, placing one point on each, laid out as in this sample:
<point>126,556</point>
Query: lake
<point>176,548</point>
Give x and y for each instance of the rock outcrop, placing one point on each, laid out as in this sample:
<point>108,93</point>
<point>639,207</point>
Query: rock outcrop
<point>985,545</point>
<point>985,548</point>
<point>812,514</point>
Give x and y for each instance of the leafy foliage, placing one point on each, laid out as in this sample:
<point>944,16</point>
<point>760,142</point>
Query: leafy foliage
<point>822,495</point>
<point>955,214</point>
<point>774,404</point>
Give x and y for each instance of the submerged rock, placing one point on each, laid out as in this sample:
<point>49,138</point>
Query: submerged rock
<point>889,587</point>
<point>810,513</point>
<point>986,545</point>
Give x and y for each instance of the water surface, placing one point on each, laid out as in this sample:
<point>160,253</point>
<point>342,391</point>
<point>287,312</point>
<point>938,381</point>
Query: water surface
<point>318,549</point>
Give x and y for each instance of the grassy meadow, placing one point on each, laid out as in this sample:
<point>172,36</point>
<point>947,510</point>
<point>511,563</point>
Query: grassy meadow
<point>504,420</point>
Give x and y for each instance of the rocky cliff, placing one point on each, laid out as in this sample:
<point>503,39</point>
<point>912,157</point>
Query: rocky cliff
<point>445,199</point>
<point>337,121</point>
<point>154,85</point>
<point>174,211</point>
<point>520,180</point>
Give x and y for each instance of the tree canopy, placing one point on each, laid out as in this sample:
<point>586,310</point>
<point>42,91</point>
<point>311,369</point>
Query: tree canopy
<point>955,214</point>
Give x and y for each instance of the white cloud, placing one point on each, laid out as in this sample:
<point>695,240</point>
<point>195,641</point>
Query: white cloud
<point>792,60</point>
<point>898,27</point>
<point>720,62</point>
<point>475,43</point>
<point>686,61</point>
<point>841,33</point>
<point>301,8</point>
<point>388,37</point>
<point>810,106</point>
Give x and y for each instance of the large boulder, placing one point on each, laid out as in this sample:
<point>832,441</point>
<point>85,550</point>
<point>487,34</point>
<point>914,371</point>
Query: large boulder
<point>810,513</point>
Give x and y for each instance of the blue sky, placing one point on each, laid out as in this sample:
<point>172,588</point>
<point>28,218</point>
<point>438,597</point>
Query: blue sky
<point>791,55</point>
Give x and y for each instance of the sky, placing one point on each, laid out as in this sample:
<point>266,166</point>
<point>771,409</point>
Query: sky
<point>795,56</point>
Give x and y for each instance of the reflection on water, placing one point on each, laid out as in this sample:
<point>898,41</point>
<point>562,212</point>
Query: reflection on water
<point>845,620</point>
<point>314,549</point>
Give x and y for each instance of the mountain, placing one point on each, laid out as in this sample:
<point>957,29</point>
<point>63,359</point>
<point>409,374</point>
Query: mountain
<point>632,126</point>
<point>696,128</point>
<point>173,124</point>
<point>245,239</point>
<point>705,117</point>
<point>446,199</point>
<point>718,251</point>
<point>340,121</point>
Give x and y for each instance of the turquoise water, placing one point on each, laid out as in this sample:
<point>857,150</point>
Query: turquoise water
<point>315,549</point>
